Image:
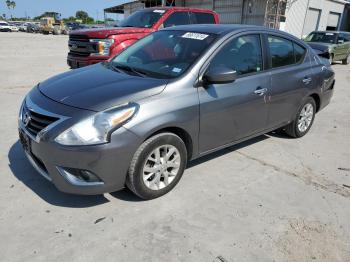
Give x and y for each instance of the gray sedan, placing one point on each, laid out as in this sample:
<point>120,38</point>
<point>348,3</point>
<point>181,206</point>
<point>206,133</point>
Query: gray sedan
<point>175,95</point>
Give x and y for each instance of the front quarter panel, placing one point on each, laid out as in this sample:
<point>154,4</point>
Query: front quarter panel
<point>176,107</point>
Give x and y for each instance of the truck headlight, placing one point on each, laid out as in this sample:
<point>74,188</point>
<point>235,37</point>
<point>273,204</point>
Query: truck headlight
<point>97,128</point>
<point>102,46</point>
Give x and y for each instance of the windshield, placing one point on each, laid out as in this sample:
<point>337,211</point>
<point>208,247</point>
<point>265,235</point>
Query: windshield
<point>321,37</point>
<point>143,18</point>
<point>164,54</point>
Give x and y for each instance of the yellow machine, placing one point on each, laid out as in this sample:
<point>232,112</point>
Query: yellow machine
<point>52,25</point>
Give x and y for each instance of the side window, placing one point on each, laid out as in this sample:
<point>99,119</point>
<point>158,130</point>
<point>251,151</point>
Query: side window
<point>177,18</point>
<point>202,18</point>
<point>343,38</point>
<point>281,51</point>
<point>299,52</point>
<point>242,54</point>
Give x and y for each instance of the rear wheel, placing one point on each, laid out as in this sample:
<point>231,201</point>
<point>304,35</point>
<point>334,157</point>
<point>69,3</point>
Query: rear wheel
<point>303,119</point>
<point>157,166</point>
<point>331,59</point>
<point>346,61</point>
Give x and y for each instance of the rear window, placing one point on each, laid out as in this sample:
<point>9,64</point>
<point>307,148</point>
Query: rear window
<point>202,18</point>
<point>285,52</point>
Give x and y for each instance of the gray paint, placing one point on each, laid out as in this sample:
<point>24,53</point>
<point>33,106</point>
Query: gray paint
<point>214,116</point>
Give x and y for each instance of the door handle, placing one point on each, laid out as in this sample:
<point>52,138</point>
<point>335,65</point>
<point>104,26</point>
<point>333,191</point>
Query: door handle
<point>307,80</point>
<point>260,91</point>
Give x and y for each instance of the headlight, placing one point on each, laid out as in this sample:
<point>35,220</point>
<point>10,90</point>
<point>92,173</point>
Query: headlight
<point>96,129</point>
<point>102,46</point>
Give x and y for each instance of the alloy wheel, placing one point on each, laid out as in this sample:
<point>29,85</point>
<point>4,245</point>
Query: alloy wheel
<point>305,117</point>
<point>161,167</point>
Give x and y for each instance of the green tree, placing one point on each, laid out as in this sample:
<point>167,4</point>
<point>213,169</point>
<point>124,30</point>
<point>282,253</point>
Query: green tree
<point>82,15</point>
<point>10,5</point>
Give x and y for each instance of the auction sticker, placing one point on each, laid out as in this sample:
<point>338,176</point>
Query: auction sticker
<point>196,36</point>
<point>159,11</point>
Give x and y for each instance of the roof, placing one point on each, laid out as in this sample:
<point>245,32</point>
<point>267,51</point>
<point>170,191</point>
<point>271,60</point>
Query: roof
<point>331,32</point>
<point>220,29</point>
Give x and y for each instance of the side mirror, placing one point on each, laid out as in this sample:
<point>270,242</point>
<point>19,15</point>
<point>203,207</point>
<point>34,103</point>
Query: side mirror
<point>219,75</point>
<point>340,41</point>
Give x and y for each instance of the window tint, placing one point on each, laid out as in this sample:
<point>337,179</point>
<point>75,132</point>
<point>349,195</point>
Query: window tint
<point>344,38</point>
<point>299,52</point>
<point>202,18</point>
<point>178,18</point>
<point>242,54</point>
<point>281,51</point>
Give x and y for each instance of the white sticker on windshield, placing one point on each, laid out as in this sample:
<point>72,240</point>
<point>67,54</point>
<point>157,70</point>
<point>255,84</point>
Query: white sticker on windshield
<point>196,36</point>
<point>329,34</point>
<point>159,11</point>
<point>176,70</point>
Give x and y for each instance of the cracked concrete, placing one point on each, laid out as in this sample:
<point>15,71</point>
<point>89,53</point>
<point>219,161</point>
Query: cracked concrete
<point>269,199</point>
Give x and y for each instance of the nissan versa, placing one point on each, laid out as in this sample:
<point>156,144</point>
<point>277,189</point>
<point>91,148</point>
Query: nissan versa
<point>173,96</point>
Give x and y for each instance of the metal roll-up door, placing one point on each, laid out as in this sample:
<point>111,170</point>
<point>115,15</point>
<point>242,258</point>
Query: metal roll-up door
<point>333,20</point>
<point>312,21</point>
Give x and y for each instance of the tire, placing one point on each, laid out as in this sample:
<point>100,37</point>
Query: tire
<point>331,59</point>
<point>346,61</point>
<point>293,129</point>
<point>140,181</point>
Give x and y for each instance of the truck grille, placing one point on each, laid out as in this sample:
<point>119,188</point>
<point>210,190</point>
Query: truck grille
<point>35,122</point>
<point>80,45</point>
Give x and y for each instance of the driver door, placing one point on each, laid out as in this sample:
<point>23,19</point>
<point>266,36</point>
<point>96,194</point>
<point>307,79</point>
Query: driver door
<point>230,112</point>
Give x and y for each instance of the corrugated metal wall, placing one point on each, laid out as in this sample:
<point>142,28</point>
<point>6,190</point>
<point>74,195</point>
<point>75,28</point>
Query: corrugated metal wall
<point>232,11</point>
<point>254,12</point>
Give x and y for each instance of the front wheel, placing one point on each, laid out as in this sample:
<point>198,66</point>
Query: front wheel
<point>346,61</point>
<point>157,166</point>
<point>303,119</point>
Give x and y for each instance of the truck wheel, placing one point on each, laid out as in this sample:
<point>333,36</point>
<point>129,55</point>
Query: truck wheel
<point>157,166</point>
<point>331,59</point>
<point>346,61</point>
<point>303,119</point>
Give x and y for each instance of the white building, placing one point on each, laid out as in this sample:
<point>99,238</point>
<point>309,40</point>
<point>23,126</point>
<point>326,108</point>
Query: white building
<point>298,17</point>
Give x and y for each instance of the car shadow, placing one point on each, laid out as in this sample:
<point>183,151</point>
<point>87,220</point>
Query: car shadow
<point>24,172</point>
<point>225,151</point>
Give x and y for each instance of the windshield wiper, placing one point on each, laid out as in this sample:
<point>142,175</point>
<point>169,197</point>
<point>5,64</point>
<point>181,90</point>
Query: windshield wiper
<point>120,67</point>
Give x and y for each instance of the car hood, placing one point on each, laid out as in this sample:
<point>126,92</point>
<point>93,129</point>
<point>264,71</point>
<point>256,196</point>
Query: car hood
<point>98,88</point>
<point>320,46</point>
<point>106,32</point>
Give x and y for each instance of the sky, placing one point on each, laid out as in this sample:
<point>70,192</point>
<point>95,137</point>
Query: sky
<point>66,7</point>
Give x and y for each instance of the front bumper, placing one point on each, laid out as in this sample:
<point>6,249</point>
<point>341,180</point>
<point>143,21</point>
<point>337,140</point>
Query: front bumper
<point>81,61</point>
<point>109,162</point>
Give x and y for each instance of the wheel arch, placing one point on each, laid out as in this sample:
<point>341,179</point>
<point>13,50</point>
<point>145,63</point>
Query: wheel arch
<point>180,132</point>
<point>317,99</point>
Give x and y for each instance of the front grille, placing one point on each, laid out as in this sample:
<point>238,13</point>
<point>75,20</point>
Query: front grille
<point>35,122</point>
<point>79,38</point>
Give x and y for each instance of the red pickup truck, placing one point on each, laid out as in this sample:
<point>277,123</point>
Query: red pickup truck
<point>90,46</point>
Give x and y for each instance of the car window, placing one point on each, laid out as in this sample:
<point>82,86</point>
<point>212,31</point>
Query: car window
<point>242,54</point>
<point>165,53</point>
<point>202,18</point>
<point>177,18</point>
<point>322,37</point>
<point>343,38</point>
<point>142,19</point>
<point>299,52</point>
<point>281,51</point>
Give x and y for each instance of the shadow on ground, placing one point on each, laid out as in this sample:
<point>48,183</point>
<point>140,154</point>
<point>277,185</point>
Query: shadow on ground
<point>24,172</point>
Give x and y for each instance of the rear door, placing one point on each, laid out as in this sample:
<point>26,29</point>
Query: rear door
<point>230,112</point>
<point>291,76</point>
